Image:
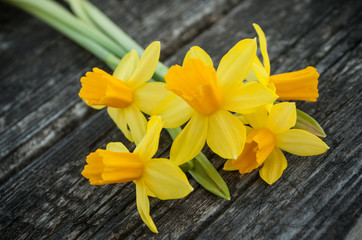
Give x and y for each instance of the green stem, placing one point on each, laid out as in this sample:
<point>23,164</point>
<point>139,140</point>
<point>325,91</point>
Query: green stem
<point>56,15</point>
<point>173,132</point>
<point>77,8</point>
<point>107,26</point>
<point>110,59</point>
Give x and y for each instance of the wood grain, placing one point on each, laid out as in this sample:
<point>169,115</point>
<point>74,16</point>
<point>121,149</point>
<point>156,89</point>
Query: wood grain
<point>46,131</point>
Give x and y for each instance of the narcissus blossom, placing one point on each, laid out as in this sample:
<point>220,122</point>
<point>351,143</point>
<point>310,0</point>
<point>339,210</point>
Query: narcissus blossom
<point>155,177</point>
<point>298,85</point>
<point>207,97</point>
<point>271,132</point>
<point>126,93</point>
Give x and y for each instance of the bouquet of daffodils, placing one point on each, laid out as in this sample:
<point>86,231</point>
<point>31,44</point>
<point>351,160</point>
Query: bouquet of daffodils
<point>237,109</point>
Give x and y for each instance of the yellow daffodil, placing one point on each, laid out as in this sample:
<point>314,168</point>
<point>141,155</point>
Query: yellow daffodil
<point>155,177</point>
<point>126,93</point>
<point>207,97</point>
<point>298,85</point>
<point>270,133</point>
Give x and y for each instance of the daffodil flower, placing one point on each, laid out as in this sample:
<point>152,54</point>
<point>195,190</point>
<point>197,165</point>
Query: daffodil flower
<point>298,85</point>
<point>207,97</point>
<point>126,93</point>
<point>155,177</point>
<point>270,133</point>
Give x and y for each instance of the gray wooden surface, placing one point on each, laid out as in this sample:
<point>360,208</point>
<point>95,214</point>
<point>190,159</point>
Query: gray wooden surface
<point>47,131</point>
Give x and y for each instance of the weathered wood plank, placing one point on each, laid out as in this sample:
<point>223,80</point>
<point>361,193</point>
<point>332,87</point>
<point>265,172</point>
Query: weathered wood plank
<point>39,105</point>
<point>325,61</point>
<point>317,197</point>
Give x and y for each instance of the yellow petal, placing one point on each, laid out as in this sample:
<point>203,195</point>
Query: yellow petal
<point>191,139</point>
<point>197,52</point>
<point>282,117</point>
<point>170,110</point>
<point>263,47</point>
<point>273,166</point>
<point>149,144</point>
<point>118,117</point>
<point>136,122</point>
<point>149,192</point>
<point>143,205</point>
<point>301,143</point>
<point>226,134</point>
<point>116,147</point>
<point>236,64</point>
<point>166,180</point>
<point>228,166</point>
<point>129,118</point>
<point>148,96</point>
<point>127,66</point>
<point>146,66</point>
<point>260,72</point>
<point>257,73</point>
<point>272,87</point>
<point>246,98</point>
<point>258,118</point>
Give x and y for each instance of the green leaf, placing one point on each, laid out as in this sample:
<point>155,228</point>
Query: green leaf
<point>187,166</point>
<point>207,176</point>
<point>306,122</point>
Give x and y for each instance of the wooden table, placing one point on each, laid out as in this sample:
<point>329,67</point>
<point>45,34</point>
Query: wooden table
<point>47,131</point>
